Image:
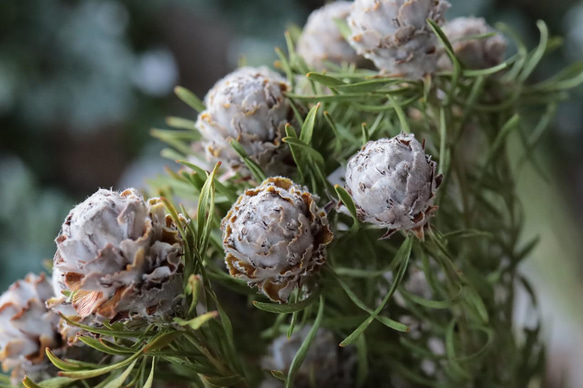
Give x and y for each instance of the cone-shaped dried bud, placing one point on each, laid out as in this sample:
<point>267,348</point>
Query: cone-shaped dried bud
<point>394,34</point>
<point>118,256</point>
<point>470,46</point>
<point>321,40</point>
<point>325,364</point>
<point>249,106</point>
<point>27,328</point>
<point>393,183</point>
<point>275,237</point>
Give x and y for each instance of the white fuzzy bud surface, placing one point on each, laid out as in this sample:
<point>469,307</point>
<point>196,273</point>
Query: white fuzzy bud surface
<point>27,328</point>
<point>473,51</point>
<point>249,106</point>
<point>393,184</point>
<point>275,237</point>
<point>118,256</point>
<point>394,34</point>
<point>321,40</point>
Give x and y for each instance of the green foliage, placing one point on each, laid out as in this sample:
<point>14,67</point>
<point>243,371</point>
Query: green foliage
<point>468,262</point>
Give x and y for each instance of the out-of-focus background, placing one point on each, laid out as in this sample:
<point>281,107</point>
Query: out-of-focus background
<point>82,82</point>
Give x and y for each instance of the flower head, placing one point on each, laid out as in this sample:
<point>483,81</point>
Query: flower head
<point>474,51</point>
<point>393,183</point>
<point>321,40</point>
<point>118,256</point>
<point>249,106</point>
<point>27,327</point>
<point>394,34</point>
<point>275,237</point>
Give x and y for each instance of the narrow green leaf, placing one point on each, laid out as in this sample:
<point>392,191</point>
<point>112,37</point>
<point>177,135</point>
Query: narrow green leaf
<point>325,80</point>
<point>179,122</point>
<point>400,114</point>
<point>538,53</point>
<point>346,199</point>
<point>105,347</point>
<point>362,362</point>
<point>197,322</point>
<point>28,383</point>
<point>287,308</point>
<point>150,381</point>
<point>88,374</point>
<point>119,381</point>
<point>56,382</point>
<point>189,98</point>
<point>365,134</point>
<point>344,28</point>
<point>161,341</point>
<point>255,169</point>
<point>318,158</point>
<point>303,350</point>
<point>61,364</point>
<point>308,127</point>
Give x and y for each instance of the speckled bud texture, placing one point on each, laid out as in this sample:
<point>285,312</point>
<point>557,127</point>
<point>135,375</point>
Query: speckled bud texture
<point>275,237</point>
<point>321,40</point>
<point>249,106</point>
<point>394,34</point>
<point>393,184</point>
<point>476,52</point>
<point>27,328</point>
<point>118,256</point>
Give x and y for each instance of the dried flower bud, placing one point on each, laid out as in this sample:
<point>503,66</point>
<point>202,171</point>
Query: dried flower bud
<point>118,256</point>
<point>27,328</point>
<point>275,237</point>
<point>475,52</point>
<point>324,361</point>
<point>393,183</point>
<point>321,40</point>
<point>394,34</point>
<point>249,106</point>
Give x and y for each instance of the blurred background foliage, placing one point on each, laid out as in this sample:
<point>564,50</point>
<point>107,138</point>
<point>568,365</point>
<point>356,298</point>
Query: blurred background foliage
<point>81,83</point>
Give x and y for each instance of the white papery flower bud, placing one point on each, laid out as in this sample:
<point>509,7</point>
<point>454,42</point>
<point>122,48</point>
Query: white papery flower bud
<point>321,40</point>
<point>275,237</point>
<point>393,183</point>
<point>324,364</point>
<point>249,106</point>
<point>27,328</point>
<point>475,52</point>
<point>117,257</point>
<point>394,34</point>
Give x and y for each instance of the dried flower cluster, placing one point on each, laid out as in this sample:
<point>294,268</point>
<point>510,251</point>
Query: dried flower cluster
<point>249,106</point>
<point>475,44</point>
<point>321,40</point>
<point>27,328</point>
<point>118,256</point>
<point>394,34</point>
<point>393,183</point>
<point>275,237</point>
